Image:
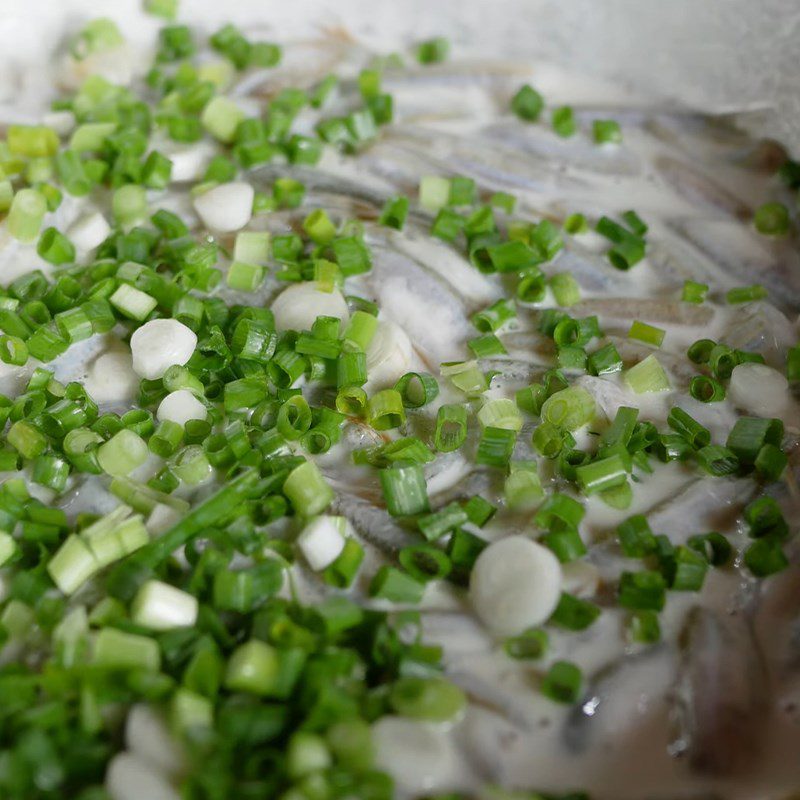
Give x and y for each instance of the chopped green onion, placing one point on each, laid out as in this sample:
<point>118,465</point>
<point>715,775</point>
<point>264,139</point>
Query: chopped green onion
<point>642,591</point>
<point>717,460</point>
<point>116,649</point>
<point>600,475</point>
<point>722,360</point>
<point>644,627</point>
<point>563,121</point>
<point>495,316</point>
<point>746,294</point>
<point>689,570</point>
<point>451,427</point>
<point>424,562</point>
<point>319,227</point>
<point>385,410</point>
<point>570,408</point>
<point>648,334</point>
<point>495,446</point>
<point>750,434</point>
<point>772,219</point>
<point>686,426</point>
<point>434,192</point>
<point>606,131</point>
<point>565,289</point>
<point>527,103</point>
<point>391,584</point>
<point>700,351</point>
<point>504,201</point>
<point>765,557</point>
<point>573,613</point>
<point>466,376</point>
<point>528,645</point>
<point>54,247</point>
<point>132,302</point>
<point>417,389</point>
<point>523,489</point>
<point>566,543</point>
<point>563,682</point>
<point>26,214</point>
<point>694,292</point>
<point>770,462</point>
<point>394,213</point>
<point>434,699</point>
<point>434,526</point>
<point>500,413</point>
<point>713,546</point>
<point>433,51</point>
<point>604,361</point>
<point>307,490</point>
<point>405,490</point>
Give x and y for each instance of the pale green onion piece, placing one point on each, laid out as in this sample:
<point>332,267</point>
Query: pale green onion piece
<point>26,214</point>
<point>72,565</point>
<point>122,453</point>
<point>500,413</point>
<point>132,302</point>
<point>523,489</point>
<point>252,247</point>
<point>570,408</point>
<point>91,136</point>
<point>385,410</point>
<point>360,331</point>
<point>647,376</point>
<point>221,118</point>
<point>190,712</point>
<point>307,490</point>
<point>648,334</point>
<point>467,376</point>
<point>129,204</point>
<point>434,192</point>
<point>8,547</point>
<point>116,649</point>
<point>254,667</point>
<point>565,288</point>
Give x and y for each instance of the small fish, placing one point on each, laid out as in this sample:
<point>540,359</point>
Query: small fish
<point>613,689</point>
<point>692,183</point>
<point>372,523</point>
<point>701,505</point>
<point>721,696</point>
<point>650,309</point>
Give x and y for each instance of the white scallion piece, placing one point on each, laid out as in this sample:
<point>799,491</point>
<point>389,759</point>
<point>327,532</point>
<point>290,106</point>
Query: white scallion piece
<point>227,207</point>
<point>162,607</point>
<point>759,389</point>
<point>515,584</point>
<point>147,737</point>
<point>130,777</point>
<point>159,344</point>
<point>389,356</point>
<point>189,162</point>
<point>111,378</point>
<point>580,578</point>
<point>297,306</point>
<point>322,541</point>
<point>162,518</point>
<point>180,406</point>
<point>89,232</point>
<point>420,756</point>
